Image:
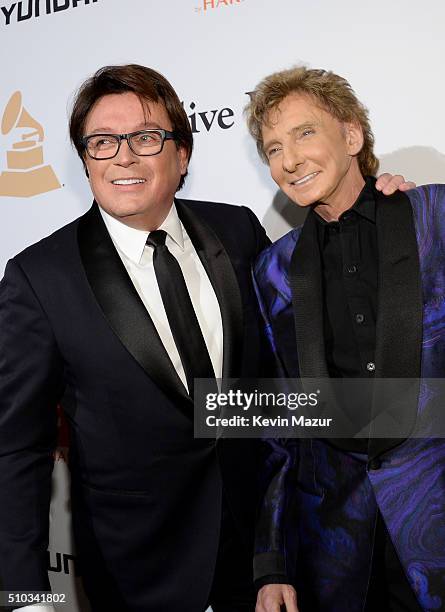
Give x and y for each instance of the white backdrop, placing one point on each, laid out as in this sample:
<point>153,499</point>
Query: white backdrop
<point>213,52</point>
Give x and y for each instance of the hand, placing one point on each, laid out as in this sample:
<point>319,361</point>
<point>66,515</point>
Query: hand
<point>388,183</point>
<point>272,596</point>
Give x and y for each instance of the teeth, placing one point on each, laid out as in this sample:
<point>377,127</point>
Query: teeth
<point>305,179</point>
<point>128,181</point>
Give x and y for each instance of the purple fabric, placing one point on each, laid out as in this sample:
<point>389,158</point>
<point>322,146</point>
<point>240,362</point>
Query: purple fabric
<point>334,497</point>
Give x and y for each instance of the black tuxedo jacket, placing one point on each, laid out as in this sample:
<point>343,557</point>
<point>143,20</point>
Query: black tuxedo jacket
<point>146,496</point>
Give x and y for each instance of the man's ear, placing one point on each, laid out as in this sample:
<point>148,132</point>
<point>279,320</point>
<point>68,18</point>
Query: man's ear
<point>354,138</point>
<point>183,159</point>
<point>85,167</point>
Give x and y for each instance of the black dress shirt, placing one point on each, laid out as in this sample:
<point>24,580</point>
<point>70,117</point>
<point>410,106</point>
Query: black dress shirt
<point>349,261</point>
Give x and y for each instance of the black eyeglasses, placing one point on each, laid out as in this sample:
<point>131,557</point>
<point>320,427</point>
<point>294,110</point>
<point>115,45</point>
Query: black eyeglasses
<point>144,142</point>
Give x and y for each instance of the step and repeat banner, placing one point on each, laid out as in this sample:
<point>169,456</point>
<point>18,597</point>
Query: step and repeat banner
<point>213,52</point>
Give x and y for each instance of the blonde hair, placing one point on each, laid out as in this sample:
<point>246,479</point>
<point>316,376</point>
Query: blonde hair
<point>332,92</point>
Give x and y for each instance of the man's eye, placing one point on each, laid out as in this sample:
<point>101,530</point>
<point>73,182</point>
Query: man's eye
<point>307,132</point>
<point>152,138</point>
<point>102,143</point>
<point>272,152</point>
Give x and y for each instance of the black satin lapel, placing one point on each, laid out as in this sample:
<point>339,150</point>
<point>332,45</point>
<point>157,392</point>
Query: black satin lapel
<point>123,308</point>
<point>307,301</point>
<point>400,308</point>
<point>220,271</point>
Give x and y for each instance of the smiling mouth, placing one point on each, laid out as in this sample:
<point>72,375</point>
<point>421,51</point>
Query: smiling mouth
<point>132,181</point>
<point>305,179</point>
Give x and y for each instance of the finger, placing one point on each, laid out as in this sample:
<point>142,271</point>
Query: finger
<point>407,186</point>
<point>267,607</point>
<point>382,180</point>
<point>290,599</point>
<point>393,185</point>
<point>272,606</point>
<point>267,604</point>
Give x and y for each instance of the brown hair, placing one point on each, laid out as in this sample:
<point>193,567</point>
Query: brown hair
<point>332,92</point>
<point>147,84</point>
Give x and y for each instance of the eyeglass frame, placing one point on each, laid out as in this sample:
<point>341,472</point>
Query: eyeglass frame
<point>166,135</point>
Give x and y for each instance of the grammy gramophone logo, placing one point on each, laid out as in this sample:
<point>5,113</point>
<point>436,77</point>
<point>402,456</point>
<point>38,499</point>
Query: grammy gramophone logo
<point>26,173</point>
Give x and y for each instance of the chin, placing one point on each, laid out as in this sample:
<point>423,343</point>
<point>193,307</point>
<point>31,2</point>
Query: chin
<point>304,197</point>
<point>303,201</point>
<point>129,208</point>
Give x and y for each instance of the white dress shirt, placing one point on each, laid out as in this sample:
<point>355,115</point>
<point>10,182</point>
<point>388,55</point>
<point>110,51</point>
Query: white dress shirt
<point>137,258</point>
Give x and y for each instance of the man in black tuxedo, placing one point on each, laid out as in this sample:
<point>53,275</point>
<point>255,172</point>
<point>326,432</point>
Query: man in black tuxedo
<point>117,313</point>
<point>101,314</point>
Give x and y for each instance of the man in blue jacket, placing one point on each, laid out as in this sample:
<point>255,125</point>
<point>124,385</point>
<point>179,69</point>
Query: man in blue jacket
<point>356,292</point>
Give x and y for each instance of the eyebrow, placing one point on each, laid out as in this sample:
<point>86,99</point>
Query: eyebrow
<point>145,125</point>
<point>294,130</point>
<point>302,126</point>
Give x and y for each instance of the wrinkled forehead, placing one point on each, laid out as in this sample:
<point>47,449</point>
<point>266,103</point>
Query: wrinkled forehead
<point>300,106</point>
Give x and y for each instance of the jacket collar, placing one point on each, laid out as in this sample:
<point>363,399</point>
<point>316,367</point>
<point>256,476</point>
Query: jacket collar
<point>400,313</point>
<point>221,273</point>
<point>128,317</point>
<point>399,319</point>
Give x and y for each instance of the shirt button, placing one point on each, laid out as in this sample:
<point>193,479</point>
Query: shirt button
<point>370,366</point>
<point>359,318</point>
<point>351,269</point>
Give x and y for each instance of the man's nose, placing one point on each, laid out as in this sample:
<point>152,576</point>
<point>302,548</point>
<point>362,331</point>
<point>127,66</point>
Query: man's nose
<point>292,158</point>
<point>125,155</point>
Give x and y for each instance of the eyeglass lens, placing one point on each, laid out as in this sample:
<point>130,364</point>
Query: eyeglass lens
<point>148,142</point>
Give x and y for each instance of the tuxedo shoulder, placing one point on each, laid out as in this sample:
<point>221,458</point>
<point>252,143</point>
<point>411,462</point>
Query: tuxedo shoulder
<point>234,224</point>
<point>51,248</point>
<point>277,255</point>
<point>206,207</point>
